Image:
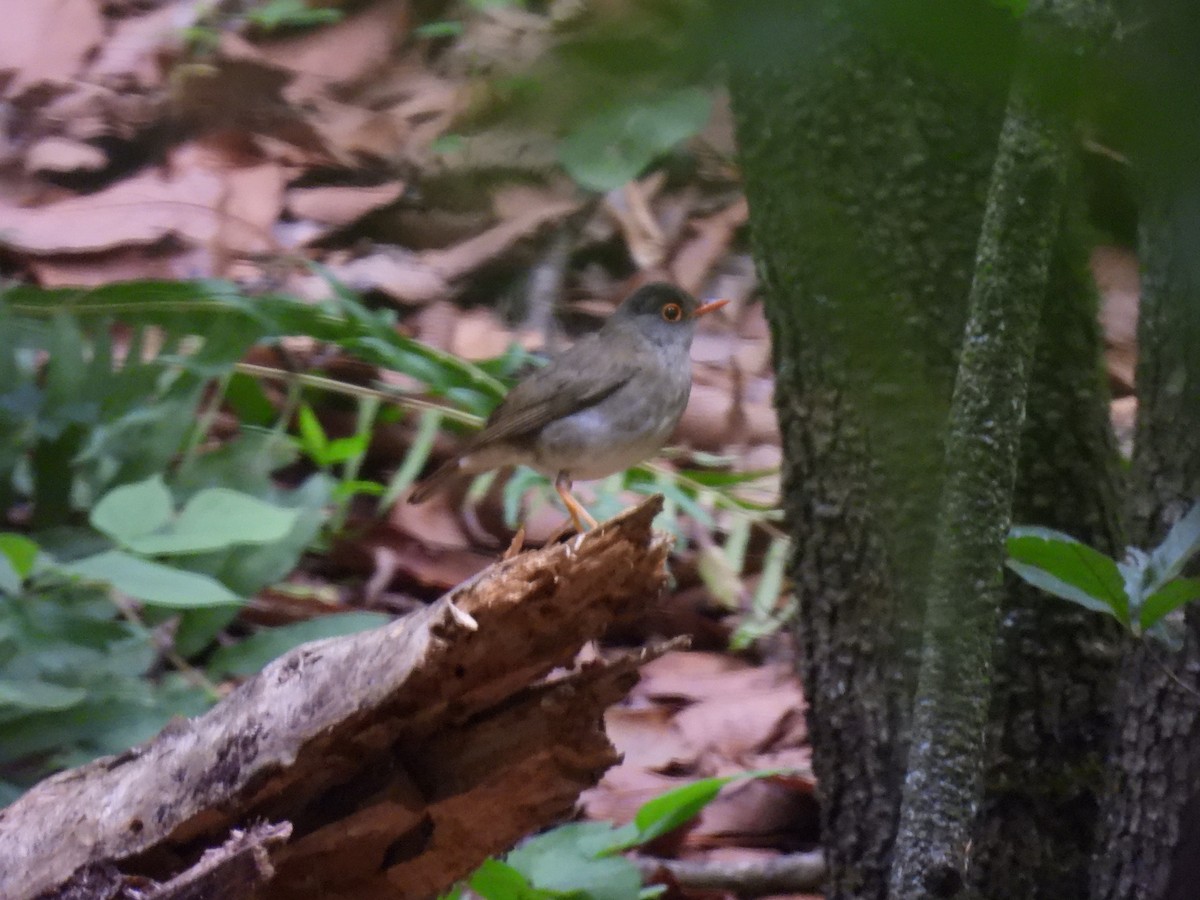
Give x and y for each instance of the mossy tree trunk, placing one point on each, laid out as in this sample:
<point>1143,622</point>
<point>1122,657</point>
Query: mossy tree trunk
<point>867,141</point>
<point>1150,848</point>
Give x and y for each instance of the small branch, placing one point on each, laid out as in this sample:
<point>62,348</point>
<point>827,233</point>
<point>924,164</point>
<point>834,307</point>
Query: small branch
<point>787,874</point>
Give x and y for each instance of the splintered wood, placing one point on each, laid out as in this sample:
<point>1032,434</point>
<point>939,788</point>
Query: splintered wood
<point>398,758</point>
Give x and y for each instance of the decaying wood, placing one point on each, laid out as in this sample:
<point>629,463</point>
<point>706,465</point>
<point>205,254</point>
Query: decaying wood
<point>399,758</point>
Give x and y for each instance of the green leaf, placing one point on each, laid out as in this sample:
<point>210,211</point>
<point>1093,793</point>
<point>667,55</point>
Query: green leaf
<point>1062,566</point>
<point>281,13</point>
<point>1178,547</point>
<point>133,510</point>
<point>668,811</point>
<point>444,28</point>
<point>249,656</point>
<point>217,518</point>
<point>415,459</point>
<point>1168,598</point>
<point>21,553</point>
<point>719,576</point>
<point>495,880</point>
<point>569,861</point>
<point>151,582</point>
<point>38,695</point>
<point>312,436</point>
<point>614,146</point>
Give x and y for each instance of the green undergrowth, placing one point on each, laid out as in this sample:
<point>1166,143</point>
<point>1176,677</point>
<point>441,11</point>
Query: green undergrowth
<point>133,537</point>
<point>583,860</point>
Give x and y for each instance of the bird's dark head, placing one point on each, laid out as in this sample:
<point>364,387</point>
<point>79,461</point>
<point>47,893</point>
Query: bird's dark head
<point>663,312</point>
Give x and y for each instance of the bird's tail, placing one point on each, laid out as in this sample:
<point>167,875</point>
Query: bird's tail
<point>442,474</point>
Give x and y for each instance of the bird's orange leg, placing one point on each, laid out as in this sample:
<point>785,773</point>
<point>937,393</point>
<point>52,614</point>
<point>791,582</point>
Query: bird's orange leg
<point>579,515</point>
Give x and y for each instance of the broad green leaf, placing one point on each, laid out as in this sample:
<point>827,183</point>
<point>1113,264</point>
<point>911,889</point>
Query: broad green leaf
<point>216,518</point>
<point>249,656</point>
<point>312,435</point>
<point>495,880</point>
<point>668,811</point>
<point>18,555</point>
<point>133,510</point>
<point>1168,598</point>
<point>1042,580</point>
<point>1060,565</point>
<point>38,695</point>
<point>20,551</point>
<point>571,860</point>
<point>151,582</point>
<point>614,146</point>
<point>1180,545</point>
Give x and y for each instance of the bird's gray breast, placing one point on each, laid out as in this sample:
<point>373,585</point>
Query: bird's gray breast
<point>622,430</point>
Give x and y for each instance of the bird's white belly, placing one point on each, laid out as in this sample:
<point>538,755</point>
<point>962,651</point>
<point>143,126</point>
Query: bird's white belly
<point>597,442</point>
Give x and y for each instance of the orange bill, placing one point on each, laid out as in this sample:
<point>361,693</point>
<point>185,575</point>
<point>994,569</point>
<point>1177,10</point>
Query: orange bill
<point>712,306</point>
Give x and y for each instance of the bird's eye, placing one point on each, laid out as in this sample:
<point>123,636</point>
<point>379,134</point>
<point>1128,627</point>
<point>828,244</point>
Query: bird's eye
<point>672,312</point>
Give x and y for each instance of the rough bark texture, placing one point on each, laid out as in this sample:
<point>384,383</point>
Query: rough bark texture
<point>1151,821</point>
<point>1056,663</point>
<point>943,782</point>
<point>399,758</point>
<point>866,148</point>
<point>866,174</point>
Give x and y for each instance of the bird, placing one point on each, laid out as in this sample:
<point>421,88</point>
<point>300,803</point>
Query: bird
<point>605,404</point>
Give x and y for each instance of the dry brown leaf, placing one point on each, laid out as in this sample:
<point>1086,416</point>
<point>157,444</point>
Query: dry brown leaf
<point>344,52</point>
<point>710,241</point>
<point>351,134</point>
<point>750,712</point>
<point>140,210</point>
<point>756,812</point>
<point>47,41</point>
<point>339,205</point>
<point>630,206</point>
<point>130,54</point>
<point>1115,270</point>
<point>400,274</point>
<point>57,154</point>
<point>478,335</point>
<point>685,676</point>
<point>463,258</point>
<point>120,264</point>
<point>622,790</point>
<point>252,203</point>
<point>647,737</point>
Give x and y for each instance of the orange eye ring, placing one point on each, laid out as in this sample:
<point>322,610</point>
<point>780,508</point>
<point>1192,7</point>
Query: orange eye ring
<point>672,312</point>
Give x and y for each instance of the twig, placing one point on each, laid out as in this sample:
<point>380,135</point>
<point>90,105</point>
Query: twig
<point>786,874</point>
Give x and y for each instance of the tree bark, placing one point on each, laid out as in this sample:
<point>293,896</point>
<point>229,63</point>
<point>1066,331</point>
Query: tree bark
<point>1152,817</point>
<point>866,175</point>
<point>866,147</point>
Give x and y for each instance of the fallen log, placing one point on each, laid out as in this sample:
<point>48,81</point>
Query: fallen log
<point>384,764</point>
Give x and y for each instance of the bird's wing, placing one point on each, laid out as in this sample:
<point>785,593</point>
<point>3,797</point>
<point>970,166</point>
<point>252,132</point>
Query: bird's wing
<point>575,380</point>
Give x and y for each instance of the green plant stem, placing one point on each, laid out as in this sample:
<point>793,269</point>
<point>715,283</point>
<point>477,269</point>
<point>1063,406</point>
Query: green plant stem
<point>204,422</point>
<point>193,675</point>
<point>357,390</point>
